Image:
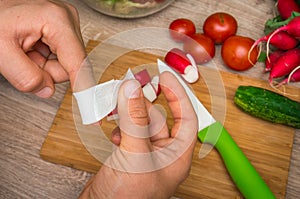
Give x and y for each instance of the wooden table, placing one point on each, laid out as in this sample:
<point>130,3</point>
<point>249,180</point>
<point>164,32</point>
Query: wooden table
<point>26,119</point>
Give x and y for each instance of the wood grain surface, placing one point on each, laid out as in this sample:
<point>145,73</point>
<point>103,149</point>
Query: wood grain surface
<point>25,119</point>
<point>268,146</point>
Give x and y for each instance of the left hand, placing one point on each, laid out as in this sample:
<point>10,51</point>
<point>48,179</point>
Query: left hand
<point>150,161</point>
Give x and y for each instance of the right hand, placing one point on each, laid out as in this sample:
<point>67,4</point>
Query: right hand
<point>41,44</point>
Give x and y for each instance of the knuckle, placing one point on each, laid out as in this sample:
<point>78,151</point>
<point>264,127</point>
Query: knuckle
<point>138,115</point>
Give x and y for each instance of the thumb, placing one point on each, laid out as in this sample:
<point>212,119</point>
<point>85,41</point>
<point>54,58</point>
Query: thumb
<point>133,118</point>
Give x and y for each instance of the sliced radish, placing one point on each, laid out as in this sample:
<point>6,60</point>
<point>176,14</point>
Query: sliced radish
<point>183,64</point>
<point>192,60</point>
<point>191,74</point>
<point>143,77</point>
<point>149,92</point>
<point>155,84</point>
<point>113,115</point>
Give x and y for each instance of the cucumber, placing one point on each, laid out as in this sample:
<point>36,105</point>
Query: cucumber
<point>268,105</point>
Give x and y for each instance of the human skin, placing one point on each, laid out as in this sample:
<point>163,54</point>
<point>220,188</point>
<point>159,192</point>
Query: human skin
<point>41,44</point>
<point>122,176</point>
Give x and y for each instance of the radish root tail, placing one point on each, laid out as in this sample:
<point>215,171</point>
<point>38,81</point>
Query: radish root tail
<point>275,85</point>
<point>251,49</point>
<point>290,75</point>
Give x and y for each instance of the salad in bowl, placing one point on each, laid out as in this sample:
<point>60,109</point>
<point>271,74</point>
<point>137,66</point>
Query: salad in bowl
<point>128,8</point>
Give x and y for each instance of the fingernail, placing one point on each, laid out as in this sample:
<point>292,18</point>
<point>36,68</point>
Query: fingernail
<point>132,89</point>
<point>45,92</point>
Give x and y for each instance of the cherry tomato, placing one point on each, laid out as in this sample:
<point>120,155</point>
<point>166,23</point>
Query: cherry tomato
<point>201,47</point>
<point>181,28</point>
<point>219,26</point>
<point>235,51</point>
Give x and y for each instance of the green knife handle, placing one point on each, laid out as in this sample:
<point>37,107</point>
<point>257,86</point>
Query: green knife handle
<point>245,176</point>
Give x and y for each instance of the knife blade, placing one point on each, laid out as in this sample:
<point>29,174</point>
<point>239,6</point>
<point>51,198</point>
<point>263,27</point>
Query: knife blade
<point>210,131</point>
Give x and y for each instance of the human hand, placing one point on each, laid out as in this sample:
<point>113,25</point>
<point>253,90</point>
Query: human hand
<point>150,161</point>
<point>40,43</point>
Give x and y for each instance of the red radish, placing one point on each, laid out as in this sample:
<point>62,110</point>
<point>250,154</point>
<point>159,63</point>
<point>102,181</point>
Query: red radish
<point>293,28</point>
<point>143,77</point>
<point>281,40</point>
<point>272,59</point>
<point>286,7</point>
<point>293,77</point>
<point>179,61</point>
<point>285,64</point>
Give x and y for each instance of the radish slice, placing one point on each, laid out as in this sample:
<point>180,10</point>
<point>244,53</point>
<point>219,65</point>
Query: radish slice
<point>149,92</point>
<point>192,60</point>
<point>191,74</point>
<point>155,84</point>
<point>143,77</point>
<point>113,115</point>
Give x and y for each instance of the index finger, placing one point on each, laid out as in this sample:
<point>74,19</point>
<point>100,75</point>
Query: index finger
<point>65,40</point>
<point>180,145</point>
<point>185,119</point>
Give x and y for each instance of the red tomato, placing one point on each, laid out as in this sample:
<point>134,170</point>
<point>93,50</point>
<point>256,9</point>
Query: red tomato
<point>235,53</point>
<point>219,26</point>
<point>201,47</point>
<point>181,28</point>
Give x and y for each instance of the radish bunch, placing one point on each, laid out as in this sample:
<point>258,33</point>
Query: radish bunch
<point>282,44</point>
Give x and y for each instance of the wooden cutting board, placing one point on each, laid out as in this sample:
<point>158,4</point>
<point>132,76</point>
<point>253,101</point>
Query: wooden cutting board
<point>268,146</point>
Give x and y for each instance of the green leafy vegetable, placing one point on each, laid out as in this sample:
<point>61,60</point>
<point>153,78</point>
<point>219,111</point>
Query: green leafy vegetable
<point>277,22</point>
<point>262,57</point>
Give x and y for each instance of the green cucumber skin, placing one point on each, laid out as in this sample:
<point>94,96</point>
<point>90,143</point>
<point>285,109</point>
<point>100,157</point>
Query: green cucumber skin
<point>268,105</point>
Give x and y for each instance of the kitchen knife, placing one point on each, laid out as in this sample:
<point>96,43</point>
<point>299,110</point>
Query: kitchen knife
<point>242,172</point>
